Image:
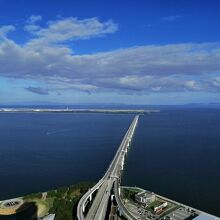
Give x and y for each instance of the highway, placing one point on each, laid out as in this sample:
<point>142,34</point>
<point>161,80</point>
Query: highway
<point>98,208</point>
<point>121,205</point>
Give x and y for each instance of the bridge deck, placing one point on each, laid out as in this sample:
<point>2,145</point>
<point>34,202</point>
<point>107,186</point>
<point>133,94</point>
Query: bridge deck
<point>98,208</point>
<point>99,199</point>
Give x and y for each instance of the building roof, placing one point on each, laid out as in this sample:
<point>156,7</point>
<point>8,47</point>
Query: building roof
<point>145,194</point>
<point>49,217</point>
<point>205,217</point>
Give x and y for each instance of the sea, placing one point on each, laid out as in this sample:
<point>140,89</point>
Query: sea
<point>175,153</point>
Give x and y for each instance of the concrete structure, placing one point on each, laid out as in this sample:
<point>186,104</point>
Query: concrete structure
<point>92,207</point>
<point>110,183</point>
<point>49,217</point>
<point>160,207</point>
<point>204,217</point>
<point>12,206</point>
<point>145,198</point>
<point>18,209</point>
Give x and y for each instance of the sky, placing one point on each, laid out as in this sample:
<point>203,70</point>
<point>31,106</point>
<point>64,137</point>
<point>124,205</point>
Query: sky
<point>109,51</point>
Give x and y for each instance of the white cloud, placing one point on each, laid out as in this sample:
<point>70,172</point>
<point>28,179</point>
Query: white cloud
<point>31,28</point>
<point>4,30</point>
<point>70,29</point>
<point>31,25</point>
<point>34,18</point>
<point>192,85</point>
<point>152,68</point>
<point>171,18</point>
<point>217,81</point>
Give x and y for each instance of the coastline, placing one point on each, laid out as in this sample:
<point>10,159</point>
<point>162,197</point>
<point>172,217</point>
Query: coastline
<point>110,111</point>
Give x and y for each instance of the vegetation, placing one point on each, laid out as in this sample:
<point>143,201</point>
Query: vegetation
<point>62,202</point>
<point>154,204</point>
<point>33,196</point>
<point>129,193</point>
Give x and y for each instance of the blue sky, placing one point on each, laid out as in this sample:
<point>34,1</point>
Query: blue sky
<point>134,52</point>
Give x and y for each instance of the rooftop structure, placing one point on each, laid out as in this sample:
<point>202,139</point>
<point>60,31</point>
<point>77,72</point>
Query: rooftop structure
<point>205,217</point>
<point>159,209</point>
<point>145,197</point>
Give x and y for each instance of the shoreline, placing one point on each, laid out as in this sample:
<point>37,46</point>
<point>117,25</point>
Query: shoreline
<point>109,111</point>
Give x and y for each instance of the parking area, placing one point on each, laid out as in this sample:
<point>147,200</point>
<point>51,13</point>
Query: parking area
<point>145,214</point>
<point>181,214</point>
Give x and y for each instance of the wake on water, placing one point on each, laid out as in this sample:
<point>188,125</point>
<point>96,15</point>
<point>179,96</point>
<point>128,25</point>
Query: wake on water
<point>57,131</point>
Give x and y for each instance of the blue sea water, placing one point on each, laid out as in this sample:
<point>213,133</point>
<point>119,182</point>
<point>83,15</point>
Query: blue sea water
<point>175,153</point>
<point>41,151</point>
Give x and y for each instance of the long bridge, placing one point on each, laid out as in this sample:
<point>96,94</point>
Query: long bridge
<point>90,208</point>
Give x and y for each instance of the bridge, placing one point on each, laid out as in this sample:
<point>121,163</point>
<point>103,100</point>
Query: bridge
<point>108,186</point>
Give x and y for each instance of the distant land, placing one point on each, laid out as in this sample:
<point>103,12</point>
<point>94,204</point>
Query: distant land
<point>71,110</point>
<point>54,105</point>
<point>116,108</point>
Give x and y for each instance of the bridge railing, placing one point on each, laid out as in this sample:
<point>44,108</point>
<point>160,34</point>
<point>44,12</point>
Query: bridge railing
<point>112,164</point>
<point>123,143</point>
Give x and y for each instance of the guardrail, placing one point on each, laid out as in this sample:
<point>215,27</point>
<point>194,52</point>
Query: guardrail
<point>111,168</point>
<point>123,209</point>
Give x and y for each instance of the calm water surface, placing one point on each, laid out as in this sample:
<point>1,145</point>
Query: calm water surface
<point>44,151</point>
<point>174,153</point>
<point>177,154</point>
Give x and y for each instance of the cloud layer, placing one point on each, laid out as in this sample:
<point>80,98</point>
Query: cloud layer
<point>47,58</point>
<point>37,90</point>
<point>171,18</point>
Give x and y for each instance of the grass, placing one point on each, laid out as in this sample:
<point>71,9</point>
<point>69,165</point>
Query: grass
<point>154,204</point>
<point>62,201</point>
<point>129,193</point>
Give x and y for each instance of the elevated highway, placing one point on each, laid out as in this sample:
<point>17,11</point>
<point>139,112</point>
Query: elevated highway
<point>108,185</point>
